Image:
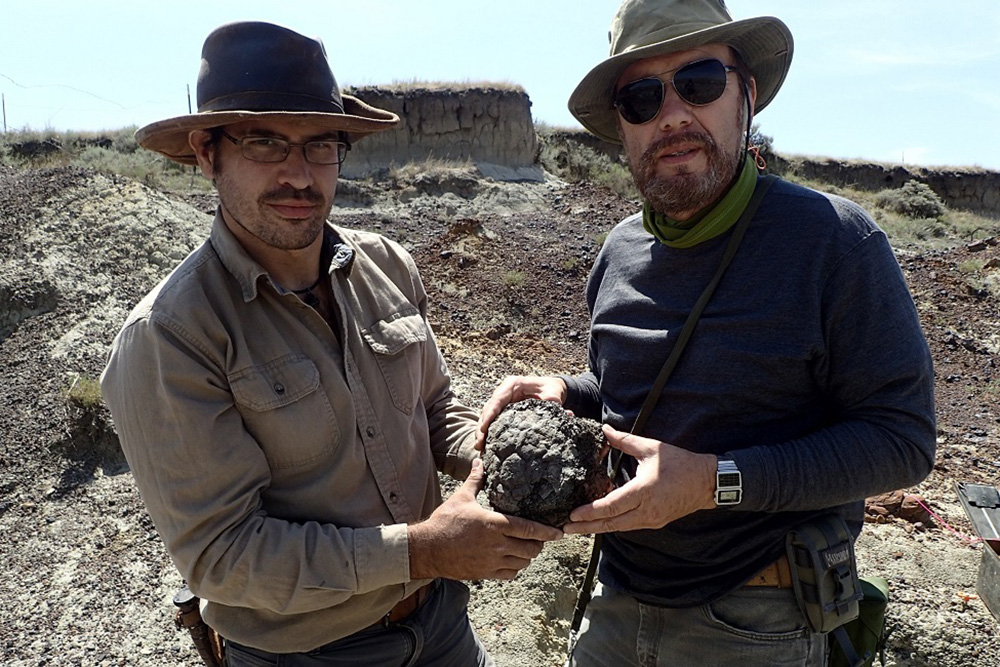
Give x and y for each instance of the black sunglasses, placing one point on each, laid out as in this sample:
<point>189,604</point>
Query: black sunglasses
<point>698,83</point>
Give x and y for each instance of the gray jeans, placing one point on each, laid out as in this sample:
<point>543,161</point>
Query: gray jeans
<point>752,627</point>
<point>437,634</point>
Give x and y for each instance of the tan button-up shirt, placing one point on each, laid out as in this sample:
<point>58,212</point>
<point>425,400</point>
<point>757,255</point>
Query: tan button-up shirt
<point>280,466</point>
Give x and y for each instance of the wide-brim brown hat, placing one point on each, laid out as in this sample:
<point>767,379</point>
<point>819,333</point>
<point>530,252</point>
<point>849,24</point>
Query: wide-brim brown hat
<point>648,28</point>
<point>260,71</point>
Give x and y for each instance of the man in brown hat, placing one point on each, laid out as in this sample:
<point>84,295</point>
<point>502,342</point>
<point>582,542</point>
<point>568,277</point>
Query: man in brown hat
<point>805,386</point>
<point>281,400</point>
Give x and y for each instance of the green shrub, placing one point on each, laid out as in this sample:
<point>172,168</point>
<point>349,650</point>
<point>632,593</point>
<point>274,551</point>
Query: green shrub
<point>763,145</point>
<point>618,179</point>
<point>573,162</point>
<point>140,166</point>
<point>762,141</point>
<point>111,152</point>
<point>85,393</point>
<point>971,266</point>
<point>91,433</point>
<point>570,263</point>
<point>514,279</point>
<point>991,283</point>
<point>914,200</point>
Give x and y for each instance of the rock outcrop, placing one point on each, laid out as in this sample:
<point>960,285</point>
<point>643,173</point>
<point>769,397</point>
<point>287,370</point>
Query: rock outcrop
<point>490,126</point>
<point>969,188</point>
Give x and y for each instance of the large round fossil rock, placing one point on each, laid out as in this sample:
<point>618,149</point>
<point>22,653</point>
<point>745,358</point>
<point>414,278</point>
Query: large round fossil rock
<point>541,462</point>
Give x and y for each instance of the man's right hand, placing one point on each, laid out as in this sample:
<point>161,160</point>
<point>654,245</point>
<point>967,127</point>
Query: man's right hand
<point>463,540</point>
<point>516,388</point>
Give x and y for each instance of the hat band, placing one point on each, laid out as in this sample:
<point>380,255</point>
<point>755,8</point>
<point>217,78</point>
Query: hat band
<point>255,100</point>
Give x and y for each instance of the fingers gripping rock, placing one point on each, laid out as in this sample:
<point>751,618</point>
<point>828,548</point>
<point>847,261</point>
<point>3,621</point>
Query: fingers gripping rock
<point>542,462</point>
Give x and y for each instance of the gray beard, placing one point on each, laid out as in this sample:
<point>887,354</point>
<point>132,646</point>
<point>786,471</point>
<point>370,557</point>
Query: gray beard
<point>684,192</point>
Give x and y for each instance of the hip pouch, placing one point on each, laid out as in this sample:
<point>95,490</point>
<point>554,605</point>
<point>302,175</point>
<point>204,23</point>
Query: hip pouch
<point>825,578</point>
<point>869,633</point>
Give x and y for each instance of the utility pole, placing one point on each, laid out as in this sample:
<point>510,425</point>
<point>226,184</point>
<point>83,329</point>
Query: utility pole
<point>3,102</point>
<point>194,169</point>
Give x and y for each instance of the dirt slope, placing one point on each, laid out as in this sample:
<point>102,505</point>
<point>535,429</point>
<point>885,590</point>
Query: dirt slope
<point>87,581</point>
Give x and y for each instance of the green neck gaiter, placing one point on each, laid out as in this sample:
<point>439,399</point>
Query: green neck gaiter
<point>703,226</point>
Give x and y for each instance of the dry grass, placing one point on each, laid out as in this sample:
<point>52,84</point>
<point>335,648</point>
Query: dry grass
<point>85,393</point>
<point>911,217</point>
<point>435,167</point>
<point>416,85</point>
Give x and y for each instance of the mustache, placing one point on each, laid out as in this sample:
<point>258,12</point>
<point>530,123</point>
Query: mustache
<point>287,193</point>
<point>701,139</point>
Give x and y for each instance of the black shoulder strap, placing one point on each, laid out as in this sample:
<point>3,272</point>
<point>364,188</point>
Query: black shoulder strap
<point>653,396</point>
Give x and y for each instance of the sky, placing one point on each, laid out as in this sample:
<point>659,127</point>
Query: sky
<point>903,81</point>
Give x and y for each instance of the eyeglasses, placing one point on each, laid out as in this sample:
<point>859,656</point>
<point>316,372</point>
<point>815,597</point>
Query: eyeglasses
<point>272,149</point>
<point>698,83</point>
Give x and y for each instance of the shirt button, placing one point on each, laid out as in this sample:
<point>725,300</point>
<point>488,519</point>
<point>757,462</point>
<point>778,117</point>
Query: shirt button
<point>392,496</point>
<point>279,388</point>
<point>371,432</point>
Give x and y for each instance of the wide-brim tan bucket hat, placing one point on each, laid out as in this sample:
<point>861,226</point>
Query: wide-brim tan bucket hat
<point>648,28</point>
<point>259,71</point>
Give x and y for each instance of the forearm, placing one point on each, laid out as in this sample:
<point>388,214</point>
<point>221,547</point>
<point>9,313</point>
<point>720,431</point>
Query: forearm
<point>583,395</point>
<point>843,463</point>
<point>877,377</point>
<point>292,568</point>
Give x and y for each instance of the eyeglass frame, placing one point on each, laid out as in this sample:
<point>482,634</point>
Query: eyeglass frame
<point>663,88</point>
<point>343,147</point>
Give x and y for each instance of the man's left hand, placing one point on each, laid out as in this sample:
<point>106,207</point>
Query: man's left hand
<point>670,482</point>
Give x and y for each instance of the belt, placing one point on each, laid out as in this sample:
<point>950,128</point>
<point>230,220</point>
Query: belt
<point>406,606</point>
<point>775,575</point>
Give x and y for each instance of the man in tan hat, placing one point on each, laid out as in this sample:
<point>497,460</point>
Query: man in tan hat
<point>805,384</point>
<point>281,400</point>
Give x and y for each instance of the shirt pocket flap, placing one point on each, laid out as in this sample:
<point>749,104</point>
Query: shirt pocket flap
<point>276,383</point>
<point>391,335</point>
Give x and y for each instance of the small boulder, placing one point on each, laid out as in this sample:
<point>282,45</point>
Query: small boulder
<point>907,506</point>
<point>541,462</point>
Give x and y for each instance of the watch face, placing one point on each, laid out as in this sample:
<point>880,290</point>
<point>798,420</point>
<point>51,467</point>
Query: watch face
<point>728,479</point>
<point>729,496</point>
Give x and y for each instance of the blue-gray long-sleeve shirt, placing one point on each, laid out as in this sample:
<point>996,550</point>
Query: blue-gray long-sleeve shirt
<point>808,367</point>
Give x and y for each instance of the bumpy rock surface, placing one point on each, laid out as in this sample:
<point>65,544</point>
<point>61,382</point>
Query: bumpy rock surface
<point>541,462</point>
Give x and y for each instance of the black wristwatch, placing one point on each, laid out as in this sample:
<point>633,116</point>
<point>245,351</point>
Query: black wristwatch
<point>728,483</point>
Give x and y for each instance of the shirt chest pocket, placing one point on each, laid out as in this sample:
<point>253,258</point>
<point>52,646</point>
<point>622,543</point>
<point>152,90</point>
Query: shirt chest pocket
<point>397,342</point>
<point>286,410</point>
